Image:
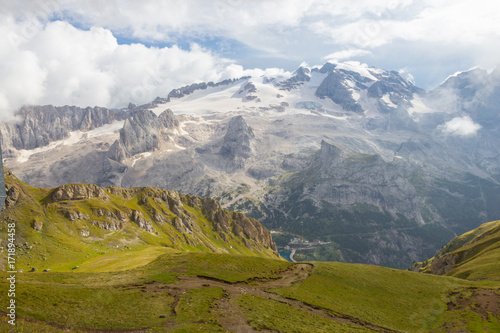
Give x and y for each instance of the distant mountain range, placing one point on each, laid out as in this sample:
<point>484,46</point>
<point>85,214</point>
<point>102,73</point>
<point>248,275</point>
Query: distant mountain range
<point>359,158</point>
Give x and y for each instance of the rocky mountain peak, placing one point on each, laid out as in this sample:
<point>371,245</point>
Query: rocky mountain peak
<point>144,132</point>
<point>333,87</point>
<point>237,141</point>
<point>299,77</point>
<point>327,67</point>
<point>331,154</point>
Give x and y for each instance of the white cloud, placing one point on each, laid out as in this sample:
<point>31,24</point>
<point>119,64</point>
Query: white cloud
<point>54,62</point>
<point>405,72</point>
<point>59,64</point>
<point>346,54</point>
<point>460,126</point>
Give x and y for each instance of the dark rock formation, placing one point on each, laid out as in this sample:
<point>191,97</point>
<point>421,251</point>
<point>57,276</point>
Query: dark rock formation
<point>237,141</point>
<point>333,87</point>
<point>79,192</point>
<point>41,125</point>
<point>300,76</point>
<point>141,133</point>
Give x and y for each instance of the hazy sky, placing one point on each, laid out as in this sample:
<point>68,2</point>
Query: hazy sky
<point>112,52</point>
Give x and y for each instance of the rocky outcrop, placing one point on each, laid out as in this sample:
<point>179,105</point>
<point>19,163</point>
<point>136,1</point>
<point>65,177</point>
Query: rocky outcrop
<point>189,89</point>
<point>79,192</point>
<point>41,125</point>
<point>333,87</point>
<point>226,222</point>
<point>139,219</point>
<point>237,141</point>
<point>144,132</point>
<point>441,265</point>
<point>299,77</point>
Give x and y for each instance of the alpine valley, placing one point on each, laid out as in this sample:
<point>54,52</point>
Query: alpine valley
<point>342,162</point>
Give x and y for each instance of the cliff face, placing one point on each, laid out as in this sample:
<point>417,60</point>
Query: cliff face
<point>345,178</point>
<point>41,125</point>
<point>358,200</point>
<point>144,132</point>
<point>237,144</point>
<point>145,215</point>
<point>333,88</point>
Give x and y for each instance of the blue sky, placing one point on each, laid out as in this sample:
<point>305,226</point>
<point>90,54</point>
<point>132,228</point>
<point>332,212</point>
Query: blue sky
<point>112,52</point>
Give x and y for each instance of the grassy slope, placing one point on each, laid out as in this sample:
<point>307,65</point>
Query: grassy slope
<point>477,253</point>
<point>59,246</point>
<point>135,298</point>
<point>396,299</point>
<point>121,300</point>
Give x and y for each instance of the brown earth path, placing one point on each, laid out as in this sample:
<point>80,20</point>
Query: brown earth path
<point>232,318</point>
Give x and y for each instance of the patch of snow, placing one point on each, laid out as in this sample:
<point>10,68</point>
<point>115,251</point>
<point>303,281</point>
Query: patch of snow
<point>355,95</point>
<point>334,117</point>
<point>74,138</point>
<point>387,100</point>
<point>140,156</point>
<point>357,67</point>
<point>350,83</point>
<point>105,129</point>
<point>419,107</point>
<point>309,105</point>
<point>181,129</point>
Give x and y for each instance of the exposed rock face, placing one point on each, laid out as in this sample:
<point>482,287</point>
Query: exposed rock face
<point>442,265</point>
<point>327,67</point>
<point>361,178</point>
<point>225,222</point>
<point>300,76</point>
<point>144,132</point>
<point>333,87</point>
<point>357,194</point>
<point>41,125</point>
<point>237,141</point>
<point>139,219</point>
<point>393,87</point>
<point>79,192</point>
<point>186,90</point>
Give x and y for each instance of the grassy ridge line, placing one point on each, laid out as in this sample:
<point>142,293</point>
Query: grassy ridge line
<point>474,255</point>
<point>50,233</point>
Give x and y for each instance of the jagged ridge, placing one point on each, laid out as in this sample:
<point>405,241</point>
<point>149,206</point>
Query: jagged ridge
<point>77,216</point>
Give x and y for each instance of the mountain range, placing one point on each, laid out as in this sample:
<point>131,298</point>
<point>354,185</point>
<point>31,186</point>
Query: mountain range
<point>342,162</point>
